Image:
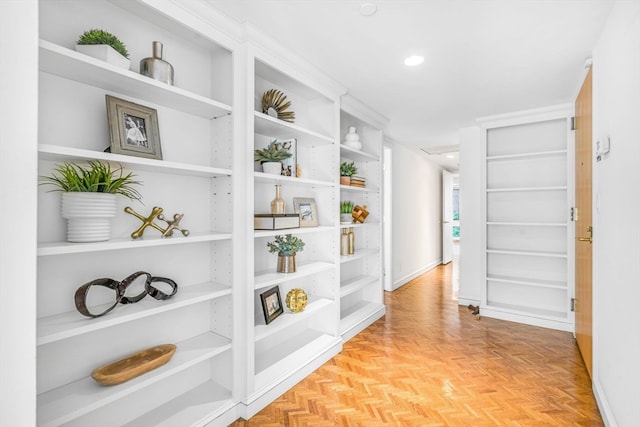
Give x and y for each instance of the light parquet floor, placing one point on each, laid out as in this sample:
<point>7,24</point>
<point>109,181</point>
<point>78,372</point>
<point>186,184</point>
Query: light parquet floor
<point>429,362</point>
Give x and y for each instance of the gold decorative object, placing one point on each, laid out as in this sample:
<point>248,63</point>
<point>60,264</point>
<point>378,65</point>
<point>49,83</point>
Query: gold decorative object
<point>359,213</point>
<point>147,221</point>
<point>275,104</point>
<point>134,365</point>
<point>277,204</point>
<point>296,300</point>
<point>351,242</point>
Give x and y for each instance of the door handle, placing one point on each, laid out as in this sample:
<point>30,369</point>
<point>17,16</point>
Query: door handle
<point>587,239</point>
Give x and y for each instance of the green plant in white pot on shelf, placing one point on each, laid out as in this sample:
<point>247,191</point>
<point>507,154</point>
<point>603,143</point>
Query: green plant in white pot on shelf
<point>271,157</point>
<point>346,171</point>
<point>287,247</point>
<point>89,197</point>
<point>103,45</point>
<point>346,208</point>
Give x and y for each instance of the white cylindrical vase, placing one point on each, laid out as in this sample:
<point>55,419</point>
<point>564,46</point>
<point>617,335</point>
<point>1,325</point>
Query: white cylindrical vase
<point>88,216</point>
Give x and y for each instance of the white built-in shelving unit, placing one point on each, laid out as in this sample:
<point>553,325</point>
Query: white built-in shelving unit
<point>528,198</point>
<point>229,363</point>
<point>291,346</point>
<point>361,285</point>
<point>196,177</point>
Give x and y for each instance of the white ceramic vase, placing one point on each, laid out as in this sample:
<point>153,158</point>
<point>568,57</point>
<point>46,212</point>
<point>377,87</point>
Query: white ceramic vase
<point>273,168</point>
<point>88,216</point>
<point>352,139</point>
<point>105,53</point>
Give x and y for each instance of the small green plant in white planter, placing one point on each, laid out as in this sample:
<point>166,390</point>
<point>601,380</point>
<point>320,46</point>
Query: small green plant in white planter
<point>105,46</point>
<point>287,247</point>
<point>346,208</point>
<point>271,157</point>
<point>89,197</point>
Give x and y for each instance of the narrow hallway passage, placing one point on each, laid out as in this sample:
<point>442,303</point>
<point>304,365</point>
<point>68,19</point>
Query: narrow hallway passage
<point>429,362</point>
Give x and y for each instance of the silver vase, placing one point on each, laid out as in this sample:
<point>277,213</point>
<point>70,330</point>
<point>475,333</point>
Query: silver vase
<point>155,67</point>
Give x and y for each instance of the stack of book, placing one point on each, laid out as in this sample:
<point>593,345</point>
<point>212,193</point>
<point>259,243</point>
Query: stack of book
<point>358,181</point>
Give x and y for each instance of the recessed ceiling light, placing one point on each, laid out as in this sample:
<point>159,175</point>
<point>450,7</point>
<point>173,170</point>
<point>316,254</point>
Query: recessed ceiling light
<point>367,8</point>
<point>414,60</point>
<point>449,156</point>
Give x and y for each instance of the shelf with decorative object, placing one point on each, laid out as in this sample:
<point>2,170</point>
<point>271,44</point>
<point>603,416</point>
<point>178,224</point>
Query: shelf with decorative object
<point>361,298</point>
<point>70,324</point>
<point>62,248</point>
<point>274,128</point>
<point>63,62</point>
<point>261,177</point>
<point>270,277</point>
<point>186,140</point>
<point>300,230</point>
<point>78,398</point>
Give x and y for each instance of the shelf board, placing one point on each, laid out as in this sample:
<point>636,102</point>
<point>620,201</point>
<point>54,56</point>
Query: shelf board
<point>528,155</point>
<point>354,154</point>
<point>359,189</point>
<point>527,311</point>
<point>69,64</point>
<point>528,253</point>
<point>524,189</point>
<point>64,248</point>
<point>360,224</point>
<point>552,284</point>
<point>61,326</point>
<point>195,407</point>
<point>355,284</point>
<point>78,398</point>
<point>60,153</point>
<point>297,351</point>
<point>301,230</point>
<point>356,313</point>
<point>529,224</point>
<point>261,177</point>
<point>270,277</point>
<point>360,253</point>
<point>286,319</point>
<point>275,128</point>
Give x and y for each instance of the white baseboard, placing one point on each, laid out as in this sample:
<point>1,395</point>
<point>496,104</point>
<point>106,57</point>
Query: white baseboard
<point>603,404</point>
<point>409,277</point>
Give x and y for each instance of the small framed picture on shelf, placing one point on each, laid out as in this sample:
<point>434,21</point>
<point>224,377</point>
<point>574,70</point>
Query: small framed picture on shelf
<point>306,208</point>
<point>271,304</point>
<point>133,129</point>
<point>290,165</point>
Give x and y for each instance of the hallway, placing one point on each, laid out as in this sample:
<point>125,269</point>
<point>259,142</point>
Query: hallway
<point>429,362</point>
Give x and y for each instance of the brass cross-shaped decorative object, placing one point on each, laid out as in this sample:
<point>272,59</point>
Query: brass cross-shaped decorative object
<point>146,221</point>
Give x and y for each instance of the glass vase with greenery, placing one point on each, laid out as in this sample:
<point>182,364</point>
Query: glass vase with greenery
<point>286,245</point>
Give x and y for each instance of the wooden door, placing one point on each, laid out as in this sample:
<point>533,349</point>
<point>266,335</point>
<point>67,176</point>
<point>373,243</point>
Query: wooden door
<point>583,222</point>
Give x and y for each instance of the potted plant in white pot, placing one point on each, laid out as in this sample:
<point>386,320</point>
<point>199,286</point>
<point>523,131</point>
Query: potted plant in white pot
<point>287,247</point>
<point>89,197</point>
<point>346,170</point>
<point>271,157</point>
<point>105,46</point>
<point>346,208</point>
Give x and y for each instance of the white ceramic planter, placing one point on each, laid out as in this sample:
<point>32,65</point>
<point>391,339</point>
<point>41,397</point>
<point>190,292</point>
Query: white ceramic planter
<point>105,53</point>
<point>273,168</point>
<point>88,216</point>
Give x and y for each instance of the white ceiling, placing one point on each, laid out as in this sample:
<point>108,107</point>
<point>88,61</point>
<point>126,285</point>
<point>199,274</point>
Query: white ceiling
<point>482,57</point>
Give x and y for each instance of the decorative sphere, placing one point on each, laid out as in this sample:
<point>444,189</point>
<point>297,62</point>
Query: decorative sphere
<point>296,300</point>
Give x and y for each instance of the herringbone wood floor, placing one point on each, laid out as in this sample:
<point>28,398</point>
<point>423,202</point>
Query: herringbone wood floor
<point>428,362</point>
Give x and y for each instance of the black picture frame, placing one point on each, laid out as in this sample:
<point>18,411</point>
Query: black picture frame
<point>133,129</point>
<point>271,304</point>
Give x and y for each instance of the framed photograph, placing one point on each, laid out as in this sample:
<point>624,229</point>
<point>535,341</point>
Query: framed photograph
<point>307,210</point>
<point>133,129</point>
<point>290,165</point>
<point>271,304</point>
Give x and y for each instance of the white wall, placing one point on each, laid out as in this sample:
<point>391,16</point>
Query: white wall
<point>18,172</point>
<point>416,213</point>
<point>471,202</point>
<point>616,74</point>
